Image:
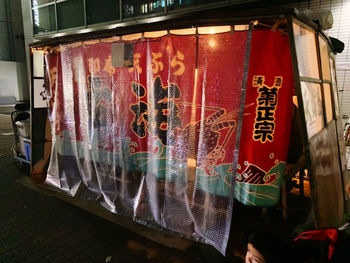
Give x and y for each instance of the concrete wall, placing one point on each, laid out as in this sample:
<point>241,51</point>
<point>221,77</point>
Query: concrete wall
<point>14,11</point>
<point>11,79</point>
<point>28,34</point>
<point>4,43</point>
<point>11,31</point>
<point>12,49</point>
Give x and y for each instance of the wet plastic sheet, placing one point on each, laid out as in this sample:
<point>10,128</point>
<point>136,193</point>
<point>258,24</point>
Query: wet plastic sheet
<point>156,141</point>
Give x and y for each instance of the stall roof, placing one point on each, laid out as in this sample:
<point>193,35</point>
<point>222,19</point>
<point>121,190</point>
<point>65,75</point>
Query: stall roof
<point>218,16</point>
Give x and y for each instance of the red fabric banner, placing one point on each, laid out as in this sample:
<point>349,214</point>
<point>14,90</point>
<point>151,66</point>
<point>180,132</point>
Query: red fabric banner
<point>267,121</point>
<point>156,141</point>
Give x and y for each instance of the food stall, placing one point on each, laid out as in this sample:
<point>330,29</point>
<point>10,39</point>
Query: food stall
<point>172,125</point>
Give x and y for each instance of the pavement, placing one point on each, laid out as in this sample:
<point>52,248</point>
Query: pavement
<point>37,227</point>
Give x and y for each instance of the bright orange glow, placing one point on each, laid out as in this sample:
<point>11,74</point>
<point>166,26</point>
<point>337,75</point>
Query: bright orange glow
<point>212,43</point>
<point>155,33</point>
<point>241,27</point>
<point>132,36</point>
<point>191,162</point>
<point>111,39</point>
<point>194,99</point>
<point>213,29</point>
<point>186,31</point>
<point>91,42</point>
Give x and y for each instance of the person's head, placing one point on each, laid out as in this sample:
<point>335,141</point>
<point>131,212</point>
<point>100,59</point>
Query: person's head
<point>266,244</point>
<point>253,255</point>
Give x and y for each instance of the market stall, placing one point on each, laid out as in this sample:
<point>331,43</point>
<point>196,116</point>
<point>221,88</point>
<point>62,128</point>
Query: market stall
<point>172,127</point>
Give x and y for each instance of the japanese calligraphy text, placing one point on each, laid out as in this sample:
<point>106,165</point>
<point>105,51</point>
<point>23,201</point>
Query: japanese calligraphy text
<point>267,101</point>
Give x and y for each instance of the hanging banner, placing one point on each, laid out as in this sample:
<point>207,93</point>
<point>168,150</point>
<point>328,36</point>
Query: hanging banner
<point>148,127</point>
<point>267,120</point>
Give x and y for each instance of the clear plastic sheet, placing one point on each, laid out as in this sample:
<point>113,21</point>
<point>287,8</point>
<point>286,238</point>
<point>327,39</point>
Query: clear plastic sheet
<point>155,139</point>
<point>150,141</point>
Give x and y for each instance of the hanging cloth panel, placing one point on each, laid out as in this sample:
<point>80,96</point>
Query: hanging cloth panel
<point>154,141</point>
<point>267,120</point>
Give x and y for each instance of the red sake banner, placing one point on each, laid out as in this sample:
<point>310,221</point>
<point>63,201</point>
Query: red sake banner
<point>267,121</point>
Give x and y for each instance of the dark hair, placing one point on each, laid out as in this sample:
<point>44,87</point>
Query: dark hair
<point>271,242</point>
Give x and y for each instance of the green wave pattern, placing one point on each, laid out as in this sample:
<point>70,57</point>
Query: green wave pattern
<point>217,180</point>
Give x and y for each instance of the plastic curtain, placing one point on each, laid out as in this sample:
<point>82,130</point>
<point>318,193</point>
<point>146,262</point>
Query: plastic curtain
<point>155,140</point>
